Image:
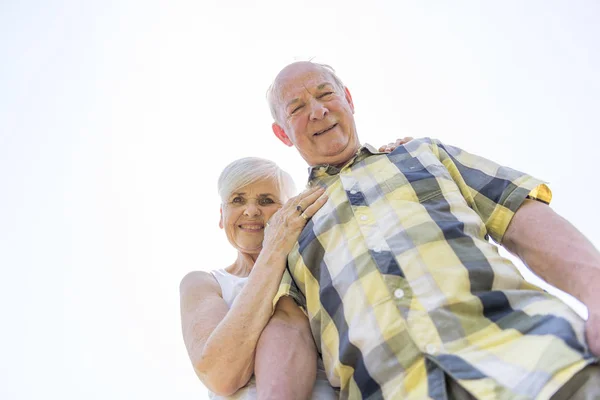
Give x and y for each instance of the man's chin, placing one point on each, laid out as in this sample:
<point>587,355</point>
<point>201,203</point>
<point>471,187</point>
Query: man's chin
<point>339,155</point>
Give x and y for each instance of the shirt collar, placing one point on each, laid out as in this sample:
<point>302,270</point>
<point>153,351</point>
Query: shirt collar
<point>322,170</point>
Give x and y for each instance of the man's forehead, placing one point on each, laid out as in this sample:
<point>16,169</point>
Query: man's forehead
<point>293,84</point>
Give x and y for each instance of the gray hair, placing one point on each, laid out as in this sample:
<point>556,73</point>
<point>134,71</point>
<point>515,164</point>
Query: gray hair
<point>273,95</point>
<point>248,170</point>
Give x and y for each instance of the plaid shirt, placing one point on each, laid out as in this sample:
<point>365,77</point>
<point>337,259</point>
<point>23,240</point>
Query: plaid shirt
<point>403,289</point>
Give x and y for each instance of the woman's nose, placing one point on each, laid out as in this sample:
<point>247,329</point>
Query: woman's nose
<point>252,210</point>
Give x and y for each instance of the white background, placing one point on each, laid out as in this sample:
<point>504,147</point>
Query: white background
<point>116,118</point>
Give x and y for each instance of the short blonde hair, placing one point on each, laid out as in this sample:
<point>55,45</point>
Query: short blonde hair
<point>272,91</point>
<point>248,170</point>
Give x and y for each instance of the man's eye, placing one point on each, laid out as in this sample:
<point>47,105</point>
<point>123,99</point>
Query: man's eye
<point>325,95</point>
<point>296,110</point>
<point>266,201</point>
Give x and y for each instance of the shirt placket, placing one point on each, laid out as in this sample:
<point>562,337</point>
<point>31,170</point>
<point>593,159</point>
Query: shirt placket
<point>419,324</point>
<point>375,241</point>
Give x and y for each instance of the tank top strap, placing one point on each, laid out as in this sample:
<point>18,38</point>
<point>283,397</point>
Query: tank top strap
<point>231,285</point>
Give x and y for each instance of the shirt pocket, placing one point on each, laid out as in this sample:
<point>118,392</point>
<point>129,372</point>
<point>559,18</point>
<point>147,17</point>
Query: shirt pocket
<point>418,179</point>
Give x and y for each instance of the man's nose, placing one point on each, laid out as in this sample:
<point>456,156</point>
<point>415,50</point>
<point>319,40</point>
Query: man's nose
<point>318,111</point>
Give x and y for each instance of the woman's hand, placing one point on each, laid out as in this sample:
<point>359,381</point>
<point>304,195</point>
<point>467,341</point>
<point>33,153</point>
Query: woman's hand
<point>284,227</point>
<point>388,148</point>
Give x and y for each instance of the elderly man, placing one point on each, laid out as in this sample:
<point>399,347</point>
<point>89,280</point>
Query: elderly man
<point>407,298</point>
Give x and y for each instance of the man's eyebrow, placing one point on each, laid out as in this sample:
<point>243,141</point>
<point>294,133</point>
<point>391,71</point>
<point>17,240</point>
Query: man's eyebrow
<point>323,85</point>
<point>296,100</point>
<point>319,87</point>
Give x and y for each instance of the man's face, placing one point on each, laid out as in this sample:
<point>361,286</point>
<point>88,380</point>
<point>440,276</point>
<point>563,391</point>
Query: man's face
<point>315,115</point>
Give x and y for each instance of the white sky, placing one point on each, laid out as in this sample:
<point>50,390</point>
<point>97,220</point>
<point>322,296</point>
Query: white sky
<point>117,116</point>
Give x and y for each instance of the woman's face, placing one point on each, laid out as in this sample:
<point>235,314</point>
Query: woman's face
<point>245,213</point>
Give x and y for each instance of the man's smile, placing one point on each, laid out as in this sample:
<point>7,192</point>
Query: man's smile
<point>325,130</point>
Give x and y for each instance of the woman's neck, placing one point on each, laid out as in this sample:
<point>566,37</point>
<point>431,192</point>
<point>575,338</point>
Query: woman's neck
<point>243,264</point>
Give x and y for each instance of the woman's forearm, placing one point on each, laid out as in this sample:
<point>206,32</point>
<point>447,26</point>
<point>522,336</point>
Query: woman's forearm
<point>227,358</point>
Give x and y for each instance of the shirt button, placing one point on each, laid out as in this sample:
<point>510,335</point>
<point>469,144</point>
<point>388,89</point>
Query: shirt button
<point>431,348</point>
<point>363,217</point>
<point>399,293</point>
<point>377,249</point>
<point>353,191</point>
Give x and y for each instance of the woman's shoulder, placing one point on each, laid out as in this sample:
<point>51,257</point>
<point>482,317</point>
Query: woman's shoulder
<point>199,281</point>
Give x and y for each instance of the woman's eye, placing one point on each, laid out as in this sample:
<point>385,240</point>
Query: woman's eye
<point>266,201</point>
<point>237,200</point>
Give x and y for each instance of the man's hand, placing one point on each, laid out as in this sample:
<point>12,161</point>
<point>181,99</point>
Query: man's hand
<point>592,330</point>
<point>388,148</point>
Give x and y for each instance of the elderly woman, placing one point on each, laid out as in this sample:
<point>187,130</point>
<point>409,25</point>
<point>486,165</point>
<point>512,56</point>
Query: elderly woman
<point>225,312</point>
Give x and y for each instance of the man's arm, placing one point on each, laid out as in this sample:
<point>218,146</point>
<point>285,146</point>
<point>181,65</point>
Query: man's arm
<point>557,252</point>
<point>286,357</point>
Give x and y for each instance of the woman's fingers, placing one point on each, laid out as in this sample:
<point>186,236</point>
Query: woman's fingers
<point>316,205</point>
<point>308,199</point>
<point>294,201</point>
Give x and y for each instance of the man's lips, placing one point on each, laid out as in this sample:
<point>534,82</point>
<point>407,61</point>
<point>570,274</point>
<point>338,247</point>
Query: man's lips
<point>325,130</point>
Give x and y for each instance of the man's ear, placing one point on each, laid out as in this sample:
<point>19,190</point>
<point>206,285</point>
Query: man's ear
<point>349,98</point>
<point>221,217</point>
<point>280,133</point>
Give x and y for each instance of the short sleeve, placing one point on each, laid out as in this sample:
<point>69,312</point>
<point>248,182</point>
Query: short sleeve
<point>493,191</point>
<point>288,287</point>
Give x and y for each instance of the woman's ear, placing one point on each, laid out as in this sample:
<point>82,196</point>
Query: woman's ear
<point>221,217</point>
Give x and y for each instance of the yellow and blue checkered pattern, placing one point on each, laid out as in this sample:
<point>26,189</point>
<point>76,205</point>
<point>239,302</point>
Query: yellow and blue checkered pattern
<point>404,290</point>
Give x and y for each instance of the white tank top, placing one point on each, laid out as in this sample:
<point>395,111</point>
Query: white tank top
<point>231,285</point>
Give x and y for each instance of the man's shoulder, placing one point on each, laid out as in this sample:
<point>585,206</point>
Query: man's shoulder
<point>423,144</point>
<point>415,147</point>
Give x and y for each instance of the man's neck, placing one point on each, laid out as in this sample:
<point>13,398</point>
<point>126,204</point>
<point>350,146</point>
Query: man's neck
<point>341,164</point>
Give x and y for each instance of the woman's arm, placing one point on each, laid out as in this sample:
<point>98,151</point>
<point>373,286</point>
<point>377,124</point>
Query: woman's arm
<point>222,343</point>
<point>202,310</point>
